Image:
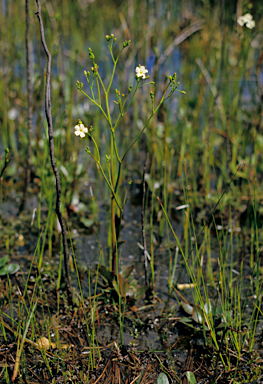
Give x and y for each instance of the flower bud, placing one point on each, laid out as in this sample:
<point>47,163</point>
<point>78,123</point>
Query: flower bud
<point>91,54</point>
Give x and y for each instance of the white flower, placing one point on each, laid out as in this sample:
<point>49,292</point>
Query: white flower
<point>248,17</point>
<point>246,20</point>
<point>12,114</point>
<point>250,24</point>
<point>141,71</point>
<point>241,21</point>
<point>80,130</point>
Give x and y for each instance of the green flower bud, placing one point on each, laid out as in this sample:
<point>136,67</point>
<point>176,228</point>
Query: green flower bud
<point>126,43</point>
<point>91,54</point>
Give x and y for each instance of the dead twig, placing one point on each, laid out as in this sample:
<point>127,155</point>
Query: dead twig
<point>52,156</point>
<point>143,229</point>
<point>29,112</point>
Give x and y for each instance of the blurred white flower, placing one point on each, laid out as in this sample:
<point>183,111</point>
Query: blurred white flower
<point>246,20</point>
<point>241,21</point>
<point>250,24</point>
<point>80,130</point>
<point>141,71</point>
<point>12,114</point>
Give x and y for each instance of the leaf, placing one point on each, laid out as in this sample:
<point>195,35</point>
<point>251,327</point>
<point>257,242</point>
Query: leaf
<point>209,307</point>
<point>123,285</point>
<point>188,323</point>
<point>127,271</point>
<point>187,307</point>
<point>87,222</point>
<point>9,269</point>
<point>190,377</point>
<point>140,292</point>
<point>197,315</point>
<point>116,287</point>
<point>106,273</point>
<point>3,261</point>
<point>162,379</point>
<point>185,320</point>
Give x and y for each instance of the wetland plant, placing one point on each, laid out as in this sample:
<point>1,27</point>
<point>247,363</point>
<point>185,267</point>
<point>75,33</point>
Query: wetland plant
<point>100,96</point>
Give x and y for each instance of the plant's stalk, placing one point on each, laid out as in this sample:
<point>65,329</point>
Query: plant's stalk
<point>113,229</point>
<point>52,157</point>
<point>145,126</point>
<point>143,232</point>
<point>118,177</point>
<point>94,102</point>
<point>29,113</point>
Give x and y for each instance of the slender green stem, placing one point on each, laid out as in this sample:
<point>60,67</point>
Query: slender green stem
<point>114,67</point>
<point>97,149</point>
<point>110,186</point>
<point>115,147</point>
<point>98,90</point>
<point>118,177</point>
<point>145,126</point>
<point>137,138</point>
<point>112,75</point>
<point>94,102</point>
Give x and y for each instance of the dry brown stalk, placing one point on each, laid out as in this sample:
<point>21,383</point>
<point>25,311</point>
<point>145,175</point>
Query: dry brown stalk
<point>52,156</point>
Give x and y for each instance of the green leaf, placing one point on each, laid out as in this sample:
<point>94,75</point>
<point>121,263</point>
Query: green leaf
<point>140,292</point>
<point>190,377</point>
<point>121,286</point>
<point>127,271</point>
<point>209,307</point>
<point>9,269</point>
<point>186,320</point>
<point>187,307</point>
<point>187,323</point>
<point>116,286</point>
<point>106,273</point>
<point>197,315</point>
<point>87,222</point>
<point>162,379</point>
<point>3,261</point>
